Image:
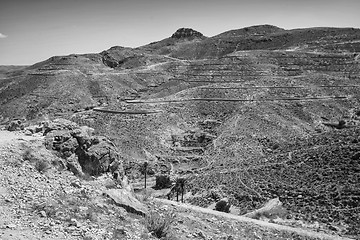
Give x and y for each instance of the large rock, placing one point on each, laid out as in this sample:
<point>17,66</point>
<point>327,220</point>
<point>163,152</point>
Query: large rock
<point>62,142</point>
<point>95,154</point>
<point>100,157</point>
<point>15,125</point>
<point>272,209</point>
<point>83,135</point>
<point>35,128</point>
<point>223,205</point>
<point>59,124</point>
<point>126,199</point>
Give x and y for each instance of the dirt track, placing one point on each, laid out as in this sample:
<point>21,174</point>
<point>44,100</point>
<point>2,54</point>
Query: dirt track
<point>7,137</point>
<point>299,231</point>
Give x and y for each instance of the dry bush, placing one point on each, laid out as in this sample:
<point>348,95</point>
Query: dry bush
<point>159,224</point>
<point>42,165</point>
<point>28,155</point>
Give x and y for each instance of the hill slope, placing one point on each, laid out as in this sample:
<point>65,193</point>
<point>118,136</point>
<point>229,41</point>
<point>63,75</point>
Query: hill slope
<point>227,102</point>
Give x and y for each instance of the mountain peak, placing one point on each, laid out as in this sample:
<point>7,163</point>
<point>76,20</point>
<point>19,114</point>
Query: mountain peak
<point>186,33</point>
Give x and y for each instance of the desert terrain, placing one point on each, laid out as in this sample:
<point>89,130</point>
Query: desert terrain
<point>249,115</point>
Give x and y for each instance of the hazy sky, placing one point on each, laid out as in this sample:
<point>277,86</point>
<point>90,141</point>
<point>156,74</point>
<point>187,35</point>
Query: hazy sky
<point>34,30</point>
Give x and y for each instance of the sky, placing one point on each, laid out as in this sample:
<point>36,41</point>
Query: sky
<point>34,30</point>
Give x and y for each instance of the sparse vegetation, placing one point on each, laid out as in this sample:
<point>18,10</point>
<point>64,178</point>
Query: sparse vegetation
<point>160,224</point>
<point>28,155</point>
<point>313,182</point>
<point>228,119</point>
<point>42,165</point>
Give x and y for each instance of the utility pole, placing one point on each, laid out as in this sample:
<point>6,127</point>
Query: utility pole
<point>145,171</point>
<point>182,190</point>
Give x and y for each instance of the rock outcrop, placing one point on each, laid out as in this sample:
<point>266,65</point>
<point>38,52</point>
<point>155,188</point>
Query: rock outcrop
<point>126,199</point>
<point>101,156</point>
<point>15,125</point>
<point>186,33</point>
<point>272,209</point>
<point>59,124</point>
<point>95,154</point>
<point>33,129</point>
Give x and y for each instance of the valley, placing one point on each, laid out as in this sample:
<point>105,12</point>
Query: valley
<point>249,115</point>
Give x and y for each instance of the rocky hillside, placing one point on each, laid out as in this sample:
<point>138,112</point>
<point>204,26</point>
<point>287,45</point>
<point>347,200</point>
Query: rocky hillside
<point>200,106</point>
<point>39,199</point>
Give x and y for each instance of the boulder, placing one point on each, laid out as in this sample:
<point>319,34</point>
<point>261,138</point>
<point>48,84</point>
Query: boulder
<point>15,125</point>
<point>69,147</point>
<point>83,135</point>
<point>100,157</point>
<point>62,142</point>
<point>126,200</point>
<point>272,209</point>
<point>27,133</point>
<point>35,128</point>
<point>59,124</point>
<point>223,205</point>
<point>95,154</point>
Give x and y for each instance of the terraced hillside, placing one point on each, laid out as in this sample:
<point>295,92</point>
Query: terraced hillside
<point>316,179</point>
<point>234,112</point>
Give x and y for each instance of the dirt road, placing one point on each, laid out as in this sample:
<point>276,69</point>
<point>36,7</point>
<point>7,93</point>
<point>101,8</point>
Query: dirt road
<point>299,231</point>
<point>7,137</point>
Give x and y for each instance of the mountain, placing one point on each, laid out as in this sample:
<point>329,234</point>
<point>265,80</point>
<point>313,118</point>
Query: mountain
<point>202,106</point>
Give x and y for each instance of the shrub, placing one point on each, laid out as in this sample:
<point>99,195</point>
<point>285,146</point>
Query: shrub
<point>41,165</point>
<point>163,181</point>
<point>159,224</point>
<point>28,155</point>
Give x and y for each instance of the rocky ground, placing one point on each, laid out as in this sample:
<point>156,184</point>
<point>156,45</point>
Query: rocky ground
<point>46,202</point>
<point>251,114</point>
<point>53,203</point>
<point>316,179</point>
